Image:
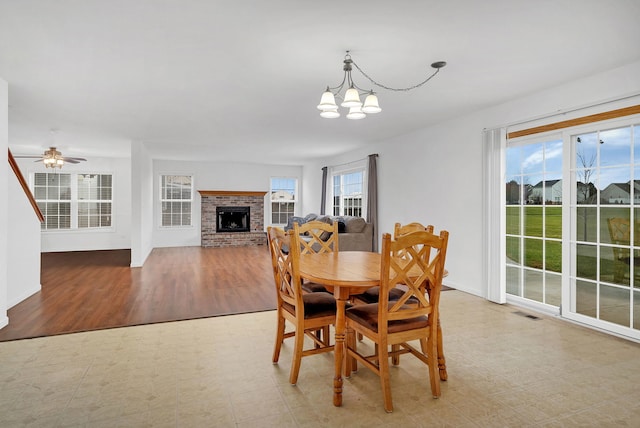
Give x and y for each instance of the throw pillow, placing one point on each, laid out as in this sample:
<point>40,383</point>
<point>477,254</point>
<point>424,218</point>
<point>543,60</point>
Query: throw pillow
<point>299,220</point>
<point>325,219</point>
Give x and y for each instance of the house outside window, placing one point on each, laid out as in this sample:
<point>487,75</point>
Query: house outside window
<point>284,196</point>
<point>349,193</point>
<point>74,201</point>
<point>176,199</point>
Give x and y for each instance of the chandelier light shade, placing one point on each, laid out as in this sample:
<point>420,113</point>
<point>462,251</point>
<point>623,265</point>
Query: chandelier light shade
<point>330,114</point>
<point>371,104</point>
<point>351,97</point>
<point>356,113</point>
<point>328,101</point>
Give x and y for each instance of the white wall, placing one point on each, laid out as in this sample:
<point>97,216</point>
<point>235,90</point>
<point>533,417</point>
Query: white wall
<point>116,237</point>
<point>212,176</point>
<point>4,199</point>
<point>434,176</point>
<point>141,203</point>
<point>23,237</point>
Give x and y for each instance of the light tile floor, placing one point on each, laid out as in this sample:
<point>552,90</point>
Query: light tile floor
<point>504,370</point>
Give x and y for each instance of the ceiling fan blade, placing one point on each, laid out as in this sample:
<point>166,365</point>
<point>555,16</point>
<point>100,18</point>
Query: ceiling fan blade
<point>28,156</point>
<point>66,159</point>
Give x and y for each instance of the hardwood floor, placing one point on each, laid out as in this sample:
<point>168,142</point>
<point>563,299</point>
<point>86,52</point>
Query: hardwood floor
<point>97,289</point>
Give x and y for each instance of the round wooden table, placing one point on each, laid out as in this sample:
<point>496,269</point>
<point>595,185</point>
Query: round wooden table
<point>347,273</point>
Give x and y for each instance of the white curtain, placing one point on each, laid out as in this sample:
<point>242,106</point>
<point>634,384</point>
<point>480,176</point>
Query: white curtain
<point>494,143</point>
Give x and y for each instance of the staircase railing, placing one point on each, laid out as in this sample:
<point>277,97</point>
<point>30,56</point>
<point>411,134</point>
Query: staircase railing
<point>25,187</point>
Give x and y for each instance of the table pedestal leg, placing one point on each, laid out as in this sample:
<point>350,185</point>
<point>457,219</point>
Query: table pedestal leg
<point>339,347</point>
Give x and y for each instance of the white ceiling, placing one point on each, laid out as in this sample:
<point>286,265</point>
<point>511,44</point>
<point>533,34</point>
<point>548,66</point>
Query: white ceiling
<point>232,80</point>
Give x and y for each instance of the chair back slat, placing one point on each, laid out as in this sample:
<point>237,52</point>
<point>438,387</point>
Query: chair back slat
<point>414,260</point>
<point>285,257</point>
<point>317,237</point>
<point>400,230</point>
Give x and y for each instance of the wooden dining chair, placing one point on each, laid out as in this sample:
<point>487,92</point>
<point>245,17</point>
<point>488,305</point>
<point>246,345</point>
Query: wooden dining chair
<point>620,235</point>
<point>372,295</point>
<point>316,237</point>
<point>309,313</point>
<point>400,230</point>
<point>395,323</point>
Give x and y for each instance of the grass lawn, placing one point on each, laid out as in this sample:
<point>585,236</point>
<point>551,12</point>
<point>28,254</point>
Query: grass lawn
<point>534,227</point>
<point>587,227</point>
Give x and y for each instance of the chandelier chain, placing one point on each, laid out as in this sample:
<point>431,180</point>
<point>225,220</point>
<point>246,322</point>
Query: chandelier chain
<point>394,89</point>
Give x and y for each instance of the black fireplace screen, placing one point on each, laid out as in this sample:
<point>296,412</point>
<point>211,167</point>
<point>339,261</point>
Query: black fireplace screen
<point>233,219</point>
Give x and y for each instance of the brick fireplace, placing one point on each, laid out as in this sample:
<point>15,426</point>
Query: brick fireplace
<point>213,200</point>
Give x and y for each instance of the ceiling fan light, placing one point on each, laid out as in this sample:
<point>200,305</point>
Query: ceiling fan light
<point>327,101</point>
<point>355,113</point>
<point>330,114</point>
<point>371,104</point>
<point>351,98</point>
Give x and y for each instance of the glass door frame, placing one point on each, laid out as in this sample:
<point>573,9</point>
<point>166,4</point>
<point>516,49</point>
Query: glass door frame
<point>568,309</point>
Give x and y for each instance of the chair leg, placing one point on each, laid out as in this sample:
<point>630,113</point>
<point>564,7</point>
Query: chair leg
<point>350,344</point>
<point>432,356</point>
<point>395,358</point>
<point>318,334</point>
<point>279,339</point>
<point>442,364</point>
<point>326,335</point>
<point>296,358</point>
<point>385,381</point>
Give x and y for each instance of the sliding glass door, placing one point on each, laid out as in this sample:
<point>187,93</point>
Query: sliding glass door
<point>572,211</point>
<point>534,220</point>
<point>604,281</point>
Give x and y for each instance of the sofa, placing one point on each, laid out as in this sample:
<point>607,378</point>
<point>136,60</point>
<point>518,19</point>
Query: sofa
<point>354,233</point>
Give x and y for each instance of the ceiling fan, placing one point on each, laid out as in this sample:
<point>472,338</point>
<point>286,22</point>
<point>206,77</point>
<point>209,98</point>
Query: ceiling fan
<point>52,158</point>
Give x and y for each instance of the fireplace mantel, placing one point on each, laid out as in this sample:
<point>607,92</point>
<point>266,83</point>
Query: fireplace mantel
<point>230,193</point>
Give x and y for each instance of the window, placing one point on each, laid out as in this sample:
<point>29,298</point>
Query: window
<point>348,192</point>
<point>74,201</point>
<point>176,198</point>
<point>283,199</point>
<point>53,195</point>
<point>94,200</point>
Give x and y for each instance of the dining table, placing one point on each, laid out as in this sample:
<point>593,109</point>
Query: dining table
<point>347,273</point>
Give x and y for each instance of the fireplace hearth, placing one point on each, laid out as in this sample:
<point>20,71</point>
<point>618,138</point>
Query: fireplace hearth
<point>233,219</point>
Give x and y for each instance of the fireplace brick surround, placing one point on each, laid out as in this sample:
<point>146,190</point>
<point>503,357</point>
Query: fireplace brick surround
<point>210,199</point>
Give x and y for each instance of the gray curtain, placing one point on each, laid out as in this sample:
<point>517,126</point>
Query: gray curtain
<point>323,203</point>
<point>372,198</point>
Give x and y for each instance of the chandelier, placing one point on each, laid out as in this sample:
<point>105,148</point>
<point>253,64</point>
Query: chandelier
<point>351,98</point>
<point>52,158</point>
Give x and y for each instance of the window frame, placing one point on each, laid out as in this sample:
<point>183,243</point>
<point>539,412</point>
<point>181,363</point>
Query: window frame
<point>162,200</point>
<point>354,167</point>
<point>74,202</point>
<point>295,199</point>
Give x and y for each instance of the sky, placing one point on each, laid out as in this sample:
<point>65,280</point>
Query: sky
<point>612,156</point>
